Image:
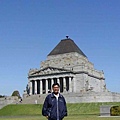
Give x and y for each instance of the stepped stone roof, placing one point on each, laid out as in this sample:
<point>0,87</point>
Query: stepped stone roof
<point>66,46</point>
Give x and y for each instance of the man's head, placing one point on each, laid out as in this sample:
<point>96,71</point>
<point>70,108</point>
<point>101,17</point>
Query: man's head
<point>56,88</point>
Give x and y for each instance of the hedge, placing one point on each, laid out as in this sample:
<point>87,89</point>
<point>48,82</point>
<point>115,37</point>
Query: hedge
<point>115,111</point>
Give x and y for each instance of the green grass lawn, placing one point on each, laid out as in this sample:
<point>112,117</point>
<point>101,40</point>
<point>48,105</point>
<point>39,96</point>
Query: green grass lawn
<point>67,118</point>
<point>77,111</point>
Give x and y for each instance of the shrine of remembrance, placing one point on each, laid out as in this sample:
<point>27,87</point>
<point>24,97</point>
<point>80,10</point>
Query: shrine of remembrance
<point>67,65</point>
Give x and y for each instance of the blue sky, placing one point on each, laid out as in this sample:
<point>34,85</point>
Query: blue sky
<point>30,29</point>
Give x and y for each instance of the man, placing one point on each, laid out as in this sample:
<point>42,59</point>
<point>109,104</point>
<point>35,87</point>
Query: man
<point>54,107</point>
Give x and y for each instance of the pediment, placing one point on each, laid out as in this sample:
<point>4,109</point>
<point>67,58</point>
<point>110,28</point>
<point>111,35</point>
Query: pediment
<point>50,70</point>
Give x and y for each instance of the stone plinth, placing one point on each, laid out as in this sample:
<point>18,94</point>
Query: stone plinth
<point>105,110</point>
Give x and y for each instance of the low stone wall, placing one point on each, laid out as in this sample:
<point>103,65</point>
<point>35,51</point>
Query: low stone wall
<point>92,97</point>
<point>7,100</point>
<point>77,97</point>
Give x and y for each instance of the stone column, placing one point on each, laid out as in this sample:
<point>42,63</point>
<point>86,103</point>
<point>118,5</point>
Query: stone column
<point>64,84</point>
<point>41,87</point>
<point>35,87</point>
<point>58,81</point>
<point>30,87</point>
<point>70,84</point>
<point>46,87</point>
<point>74,84</point>
<point>52,82</point>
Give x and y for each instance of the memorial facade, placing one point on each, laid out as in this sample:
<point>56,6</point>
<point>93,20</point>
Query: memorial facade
<point>67,65</point>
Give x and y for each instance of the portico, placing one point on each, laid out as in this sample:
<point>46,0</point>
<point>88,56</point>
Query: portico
<point>43,84</point>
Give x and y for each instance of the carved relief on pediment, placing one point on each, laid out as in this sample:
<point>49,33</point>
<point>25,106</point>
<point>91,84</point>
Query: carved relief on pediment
<point>49,70</point>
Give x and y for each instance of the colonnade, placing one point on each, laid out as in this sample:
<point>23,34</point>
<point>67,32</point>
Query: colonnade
<point>44,86</point>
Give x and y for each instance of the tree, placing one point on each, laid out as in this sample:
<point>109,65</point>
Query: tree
<point>16,93</point>
<point>1,96</point>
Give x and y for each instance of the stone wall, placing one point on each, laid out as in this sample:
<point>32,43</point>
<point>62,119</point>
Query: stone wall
<point>79,83</point>
<point>92,97</point>
<point>7,100</point>
<point>83,97</point>
<point>67,60</point>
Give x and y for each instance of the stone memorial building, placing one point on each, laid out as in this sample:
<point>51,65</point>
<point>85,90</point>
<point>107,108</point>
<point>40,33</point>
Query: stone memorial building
<point>67,65</point>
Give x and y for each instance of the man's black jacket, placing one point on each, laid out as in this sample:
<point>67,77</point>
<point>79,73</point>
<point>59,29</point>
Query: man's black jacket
<point>54,108</point>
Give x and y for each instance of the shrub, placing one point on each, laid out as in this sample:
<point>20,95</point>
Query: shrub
<point>115,111</point>
<point>16,93</point>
